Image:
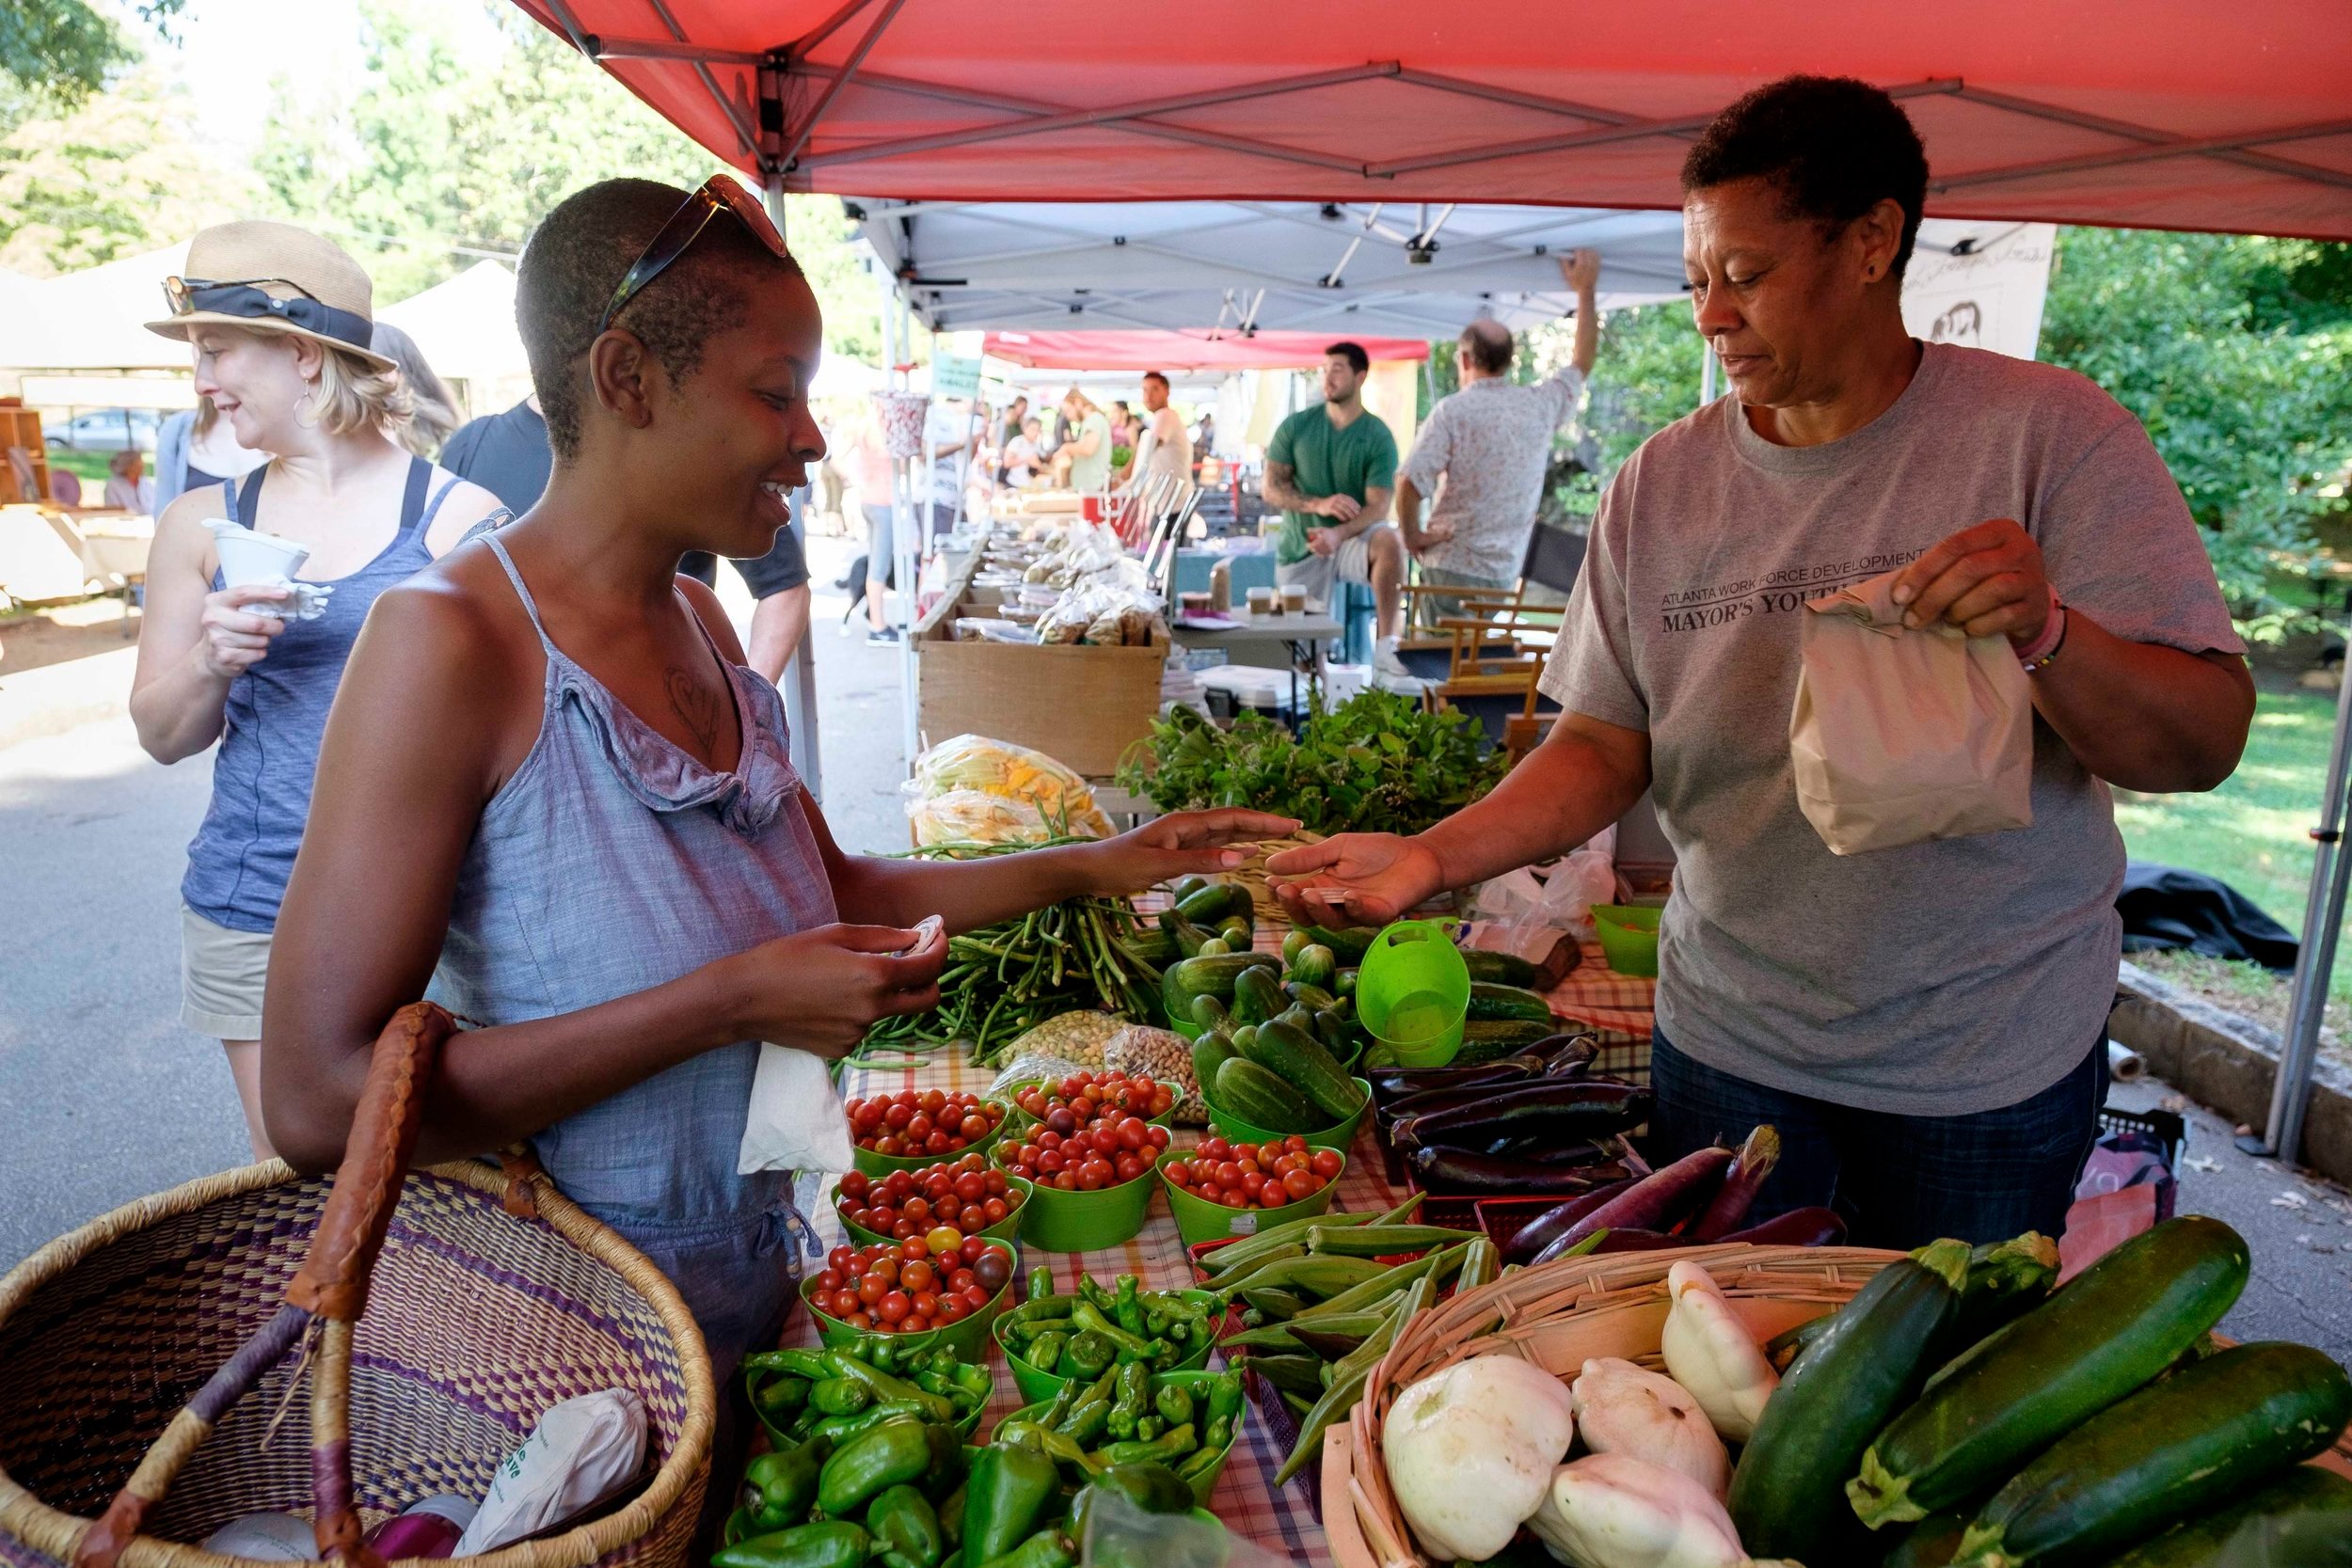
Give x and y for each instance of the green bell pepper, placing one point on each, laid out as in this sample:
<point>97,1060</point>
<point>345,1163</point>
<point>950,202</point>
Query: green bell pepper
<point>1090,1411</point>
<point>782,1488</point>
<point>835,1544</point>
<point>1148,1427</point>
<point>1174,1404</point>
<point>1200,1463</point>
<point>799,1363</point>
<point>1132,1401</point>
<point>1062,1450</point>
<point>840,1396</point>
<point>905,1529</point>
<point>1047,1548</point>
<point>946,1466</point>
<point>842,1428</point>
<point>951,1516</point>
<point>1172,1445</point>
<point>1088,1356</point>
<point>779,1396</point>
<point>1127,1308</point>
<point>1040,1284</point>
<point>1090,1317</point>
<point>894,1452</point>
<point>972,1380</point>
<point>1044,1351</point>
<point>885,1389</point>
<point>1004,1499</point>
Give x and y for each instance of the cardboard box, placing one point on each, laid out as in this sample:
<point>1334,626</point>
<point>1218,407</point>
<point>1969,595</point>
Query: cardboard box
<point>1081,706</point>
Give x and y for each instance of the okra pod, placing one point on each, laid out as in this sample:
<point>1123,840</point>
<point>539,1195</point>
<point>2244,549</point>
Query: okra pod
<point>1438,1267</point>
<point>1378,1241</point>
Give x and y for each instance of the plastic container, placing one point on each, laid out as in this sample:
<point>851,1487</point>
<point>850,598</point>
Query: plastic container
<point>1341,1137</point>
<point>1017,1120</point>
<point>968,1339</point>
<point>1198,1220</point>
<point>1006,1230</point>
<point>1199,1383</point>
<point>1038,1387</point>
<point>882,1164</point>
<point>1412,992</point>
<point>1629,937</point>
<point>1057,1221</point>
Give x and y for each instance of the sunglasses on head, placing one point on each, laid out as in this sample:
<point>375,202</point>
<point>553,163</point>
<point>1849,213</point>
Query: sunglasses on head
<point>250,297</point>
<point>718,194</point>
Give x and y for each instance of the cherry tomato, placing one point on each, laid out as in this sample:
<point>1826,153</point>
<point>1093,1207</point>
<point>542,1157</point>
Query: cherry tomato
<point>935,1101</point>
<point>954,1309</point>
<point>918,1277</point>
<point>992,1211</point>
<point>1252,1181</point>
<point>897,1117</point>
<point>1049,1161</point>
<point>1156,1138</point>
<point>895,1307</point>
<point>843,1303</point>
<point>976,1297</point>
<point>1179,1172</point>
<point>1065,1181</point>
<point>973,1248</point>
<point>1300,1184</point>
<point>1326,1163</point>
<point>962,1280</point>
<point>1232,1197</point>
<point>871,1289</point>
<point>1129,1166</point>
<point>1228,1173</point>
<point>885,1268</point>
<point>838,1257</point>
<point>1296,1143</point>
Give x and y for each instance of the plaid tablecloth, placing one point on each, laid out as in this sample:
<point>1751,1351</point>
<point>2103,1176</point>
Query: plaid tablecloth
<point>1279,1519</point>
<point>1621,1008</point>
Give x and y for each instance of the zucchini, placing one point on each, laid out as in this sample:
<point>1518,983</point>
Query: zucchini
<point>1783,1349</point>
<point>2179,1448</point>
<point>1867,1365</point>
<point>1490,1039</point>
<point>1262,1099</point>
<point>1505,969</point>
<point>1489,1000</point>
<point>1299,1060</point>
<point>1933,1543</point>
<point>2006,1280</point>
<point>1257,996</point>
<point>2297,1519</point>
<point>2119,1324</point>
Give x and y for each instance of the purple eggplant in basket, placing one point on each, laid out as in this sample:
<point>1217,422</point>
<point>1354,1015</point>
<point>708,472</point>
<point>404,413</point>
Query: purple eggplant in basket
<point>1533,1237</point>
<point>1458,1170</point>
<point>1659,1201</point>
<point>1542,1113</point>
<point>1728,1209</point>
<point>1797,1227</point>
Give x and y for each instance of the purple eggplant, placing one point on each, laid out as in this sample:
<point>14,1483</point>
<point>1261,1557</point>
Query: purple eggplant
<point>1531,1238</point>
<point>1549,1111</point>
<point>1797,1227</point>
<point>1627,1238</point>
<point>1659,1201</point>
<point>1397,1083</point>
<point>1456,1171</point>
<point>1729,1206</point>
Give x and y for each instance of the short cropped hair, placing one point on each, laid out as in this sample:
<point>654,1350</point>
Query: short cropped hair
<point>1155,376</point>
<point>1833,147</point>
<point>576,259</point>
<point>1487,342</point>
<point>1358,361</point>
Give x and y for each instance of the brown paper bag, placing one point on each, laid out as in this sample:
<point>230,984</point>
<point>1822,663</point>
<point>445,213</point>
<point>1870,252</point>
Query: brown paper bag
<point>1900,735</point>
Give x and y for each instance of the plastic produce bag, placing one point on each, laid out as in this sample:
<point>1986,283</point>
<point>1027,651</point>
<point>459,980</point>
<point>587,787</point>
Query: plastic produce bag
<point>1037,797</point>
<point>1037,1067</point>
<point>1902,736</point>
<point>582,1451</point>
<point>1120,1535</point>
<point>1164,1057</point>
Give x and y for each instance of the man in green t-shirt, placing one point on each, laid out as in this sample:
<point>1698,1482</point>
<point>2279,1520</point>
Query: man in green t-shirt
<point>1332,469</point>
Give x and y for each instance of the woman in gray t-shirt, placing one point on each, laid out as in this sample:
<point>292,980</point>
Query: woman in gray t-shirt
<point>1921,1022</point>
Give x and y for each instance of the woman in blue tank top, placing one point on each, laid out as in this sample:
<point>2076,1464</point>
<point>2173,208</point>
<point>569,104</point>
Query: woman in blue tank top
<point>553,794</point>
<point>278,321</point>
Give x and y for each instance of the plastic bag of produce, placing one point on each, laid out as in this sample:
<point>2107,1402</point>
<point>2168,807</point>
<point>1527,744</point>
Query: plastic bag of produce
<point>1035,797</point>
<point>1900,735</point>
<point>1138,1050</point>
<point>1119,1534</point>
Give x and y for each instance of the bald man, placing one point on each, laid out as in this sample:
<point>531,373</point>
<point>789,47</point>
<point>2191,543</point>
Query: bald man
<point>1492,442</point>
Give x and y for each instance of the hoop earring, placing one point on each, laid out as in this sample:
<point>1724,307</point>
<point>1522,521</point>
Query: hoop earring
<point>305,411</point>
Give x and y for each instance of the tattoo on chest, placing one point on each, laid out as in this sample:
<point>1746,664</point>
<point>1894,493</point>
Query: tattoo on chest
<point>697,706</point>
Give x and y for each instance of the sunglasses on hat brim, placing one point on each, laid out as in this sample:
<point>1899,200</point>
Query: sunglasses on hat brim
<point>250,297</point>
<point>716,194</point>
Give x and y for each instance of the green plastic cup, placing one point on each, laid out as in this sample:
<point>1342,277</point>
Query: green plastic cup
<point>1341,1135</point>
<point>1629,937</point>
<point>1198,1220</point>
<point>1412,992</point>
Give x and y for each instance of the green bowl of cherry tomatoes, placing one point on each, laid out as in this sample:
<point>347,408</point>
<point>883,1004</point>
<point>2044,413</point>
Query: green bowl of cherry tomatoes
<point>1067,1104</point>
<point>937,1202</point>
<point>906,1289</point>
<point>915,1128</point>
<point>1218,1189</point>
<point>1090,1187</point>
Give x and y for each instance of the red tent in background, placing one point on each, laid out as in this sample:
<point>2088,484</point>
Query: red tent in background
<point>2175,114</point>
<point>1183,351</point>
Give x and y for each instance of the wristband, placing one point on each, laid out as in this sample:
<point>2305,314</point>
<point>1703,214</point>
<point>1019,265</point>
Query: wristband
<point>2038,654</point>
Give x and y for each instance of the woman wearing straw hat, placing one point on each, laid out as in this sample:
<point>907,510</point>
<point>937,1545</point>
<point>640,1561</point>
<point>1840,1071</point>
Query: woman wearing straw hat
<point>280,321</point>
<point>553,792</point>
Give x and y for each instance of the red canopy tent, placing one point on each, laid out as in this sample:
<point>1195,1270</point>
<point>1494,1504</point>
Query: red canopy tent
<point>1183,351</point>
<point>2175,114</point>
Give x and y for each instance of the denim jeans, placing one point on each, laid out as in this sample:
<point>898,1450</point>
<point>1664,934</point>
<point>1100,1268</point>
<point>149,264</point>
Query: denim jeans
<point>1899,1180</point>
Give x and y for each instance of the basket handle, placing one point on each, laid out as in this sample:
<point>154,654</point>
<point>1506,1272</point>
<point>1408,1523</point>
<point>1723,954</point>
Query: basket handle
<point>331,1289</point>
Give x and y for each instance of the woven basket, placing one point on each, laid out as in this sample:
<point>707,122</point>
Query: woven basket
<point>180,1328</point>
<point>1560,1316</point>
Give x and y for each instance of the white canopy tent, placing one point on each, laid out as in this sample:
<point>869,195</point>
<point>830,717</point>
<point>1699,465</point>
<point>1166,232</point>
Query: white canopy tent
<point>94,320</point>
<point>465,327</point>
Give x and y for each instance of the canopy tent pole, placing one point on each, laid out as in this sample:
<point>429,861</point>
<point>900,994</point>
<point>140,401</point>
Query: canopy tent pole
<point>800,672</point>
<point>903,556</point>
<point>2315,958</point>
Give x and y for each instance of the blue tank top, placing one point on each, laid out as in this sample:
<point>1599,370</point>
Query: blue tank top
<point>612,862</point>
<point>277,716</point>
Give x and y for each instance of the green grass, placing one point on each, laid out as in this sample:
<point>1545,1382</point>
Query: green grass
<point>91,465</point>
<point>2254,832</point>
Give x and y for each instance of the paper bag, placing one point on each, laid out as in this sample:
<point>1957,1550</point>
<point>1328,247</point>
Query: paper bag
<point>1900,735</point>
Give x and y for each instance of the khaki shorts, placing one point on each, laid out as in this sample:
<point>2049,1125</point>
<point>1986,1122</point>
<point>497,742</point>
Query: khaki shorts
<point>222,974</point>
<point>1350,563</point>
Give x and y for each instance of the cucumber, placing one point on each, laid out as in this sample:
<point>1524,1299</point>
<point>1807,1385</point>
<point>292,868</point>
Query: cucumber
<point>2177,1450</point>
<point>1299,1060</point>
<point>2304,1518</point>
<point>1257,996</point>
<point>2119,1324</point>
<point>1216,904</point>
<point>1209,1053</point>
<point>1505,969</point>
<point>1489,1000</point>
<point>1262,1099</point>
<point>1787,1490</point>
<point>1191,978</point>
<point>1490,1039</point>
<point>1314,966</point>
<point>1348,945</point>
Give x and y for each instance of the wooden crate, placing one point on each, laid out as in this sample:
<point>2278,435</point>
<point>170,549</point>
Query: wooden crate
<point>20,427</point>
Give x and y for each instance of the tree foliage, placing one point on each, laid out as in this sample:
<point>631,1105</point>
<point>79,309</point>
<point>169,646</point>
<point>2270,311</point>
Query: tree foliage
<point>440,148</point>
<point>64,49</point>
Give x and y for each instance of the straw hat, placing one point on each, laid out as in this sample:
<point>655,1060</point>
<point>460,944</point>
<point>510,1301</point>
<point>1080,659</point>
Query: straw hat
<point>328,296</point>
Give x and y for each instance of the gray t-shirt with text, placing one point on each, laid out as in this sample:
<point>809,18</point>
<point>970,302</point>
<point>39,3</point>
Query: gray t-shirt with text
<point>1937,979</point>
